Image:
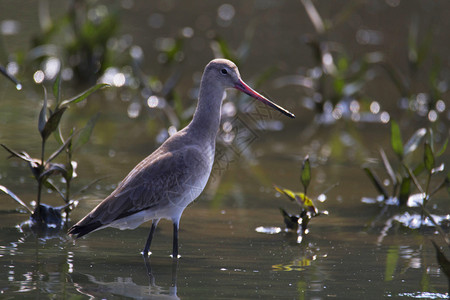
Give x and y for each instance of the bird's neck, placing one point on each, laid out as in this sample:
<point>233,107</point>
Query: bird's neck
<point>206,120</point>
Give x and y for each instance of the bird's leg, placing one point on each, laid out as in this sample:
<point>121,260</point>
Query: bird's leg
<point>175,241</point>
<point>173,288</point>
<point>150,237</point>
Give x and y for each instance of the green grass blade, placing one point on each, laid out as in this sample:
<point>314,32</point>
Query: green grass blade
<point>57,88</point>
<point>60,149</point>
<point>83,95</point>
<point>396,139</point>
<point>53,122</point>
<point>405,191</point>
<point>305,175</point>
<point>443,148</point>
<point>428,158</point>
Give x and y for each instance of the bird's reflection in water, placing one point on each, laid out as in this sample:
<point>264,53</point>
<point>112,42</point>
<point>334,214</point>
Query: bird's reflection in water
<point>172,289</point>
<point>127,287</point>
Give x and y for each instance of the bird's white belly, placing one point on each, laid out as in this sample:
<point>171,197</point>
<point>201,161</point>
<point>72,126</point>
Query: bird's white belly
<point>133,221</point>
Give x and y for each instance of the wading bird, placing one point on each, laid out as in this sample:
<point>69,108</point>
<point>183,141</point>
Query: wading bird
<point>174,175</point>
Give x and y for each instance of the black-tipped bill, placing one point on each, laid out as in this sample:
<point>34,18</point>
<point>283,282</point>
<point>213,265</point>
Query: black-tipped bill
<point>243,87</point>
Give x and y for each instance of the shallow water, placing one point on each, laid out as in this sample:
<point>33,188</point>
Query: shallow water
<point>357,251</point>
<point>222,256</point>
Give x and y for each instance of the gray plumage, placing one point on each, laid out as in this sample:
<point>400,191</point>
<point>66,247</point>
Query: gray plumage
<point>174,175</point>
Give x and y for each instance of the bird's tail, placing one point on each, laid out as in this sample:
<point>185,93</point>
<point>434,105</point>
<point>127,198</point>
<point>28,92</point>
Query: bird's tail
<point>78,230</point>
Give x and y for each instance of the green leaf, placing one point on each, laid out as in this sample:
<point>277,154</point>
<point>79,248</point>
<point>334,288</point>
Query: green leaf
<point>86,132</point>
<point>14,196</point>
<point>376,182</point>
<point>405,191</point>
<point>53,122</point>
<point>290,194</point>
<point>414,141</point>
<point>396,139</point>
<point>69,174</point>
<point>306,203</point>
<point>440,152</point>
<point>83,95</point>
<point>57,88</point>
<point>305,175</point>
<point>60,149</point>
<point>428,158</point>
<point>43,114</point>
<point>431,139</point>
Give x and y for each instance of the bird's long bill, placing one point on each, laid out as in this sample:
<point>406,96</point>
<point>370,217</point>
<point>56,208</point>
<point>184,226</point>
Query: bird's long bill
<point>243,87</point>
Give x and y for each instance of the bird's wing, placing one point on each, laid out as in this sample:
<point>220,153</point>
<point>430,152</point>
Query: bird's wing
<point>153,182</point>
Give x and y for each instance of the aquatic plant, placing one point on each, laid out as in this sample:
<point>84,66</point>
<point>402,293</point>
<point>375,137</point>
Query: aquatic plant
<point>44,167</point>
<point>403,175</point>
<point>409,175</point>
<point>299,222</point>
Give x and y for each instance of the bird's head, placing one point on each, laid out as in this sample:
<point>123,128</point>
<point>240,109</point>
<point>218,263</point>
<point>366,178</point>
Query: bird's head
<point>226,74</point>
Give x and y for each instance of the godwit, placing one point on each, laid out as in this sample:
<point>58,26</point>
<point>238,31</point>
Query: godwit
<point>165,182</point>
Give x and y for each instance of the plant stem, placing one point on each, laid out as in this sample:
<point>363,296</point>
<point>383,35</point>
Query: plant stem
<point>41,170</point>
<point>427,188</point>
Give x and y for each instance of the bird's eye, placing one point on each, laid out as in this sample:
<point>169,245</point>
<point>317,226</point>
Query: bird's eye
<point>224,71</point>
